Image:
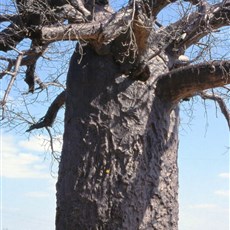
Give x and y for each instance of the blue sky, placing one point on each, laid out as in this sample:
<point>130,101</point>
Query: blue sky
<point>204,171</point>
<point>28,186</point>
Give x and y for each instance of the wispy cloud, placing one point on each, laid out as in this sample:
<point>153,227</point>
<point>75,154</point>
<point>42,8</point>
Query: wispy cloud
<point>224,175</point>
<point>19,162</point>
<point>224,193</point>
<point>40,143</point>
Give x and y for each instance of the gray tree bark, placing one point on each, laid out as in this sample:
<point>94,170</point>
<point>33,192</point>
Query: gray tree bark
<point>119,161</point>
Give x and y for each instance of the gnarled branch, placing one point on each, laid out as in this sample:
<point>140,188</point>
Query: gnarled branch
<point>11,36</point>
<point>9,18</point>
<point>30,57</point>
<point>186,81</point>
<point>157,6</point>
<point>191,28</point>
<point>104,32</point>
<point>51,114</point>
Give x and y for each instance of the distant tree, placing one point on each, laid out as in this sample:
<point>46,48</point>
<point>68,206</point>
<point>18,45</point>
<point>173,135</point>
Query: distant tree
<point>126,78</point>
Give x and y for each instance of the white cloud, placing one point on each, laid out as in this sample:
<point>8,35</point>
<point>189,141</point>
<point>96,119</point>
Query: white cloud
<point>35,144</point>
<point>224,193</point>
<point>204,216</point>
<point>224,175</point>
<point>203,206</point>
<point>40,144</point>
<point>18,162</point>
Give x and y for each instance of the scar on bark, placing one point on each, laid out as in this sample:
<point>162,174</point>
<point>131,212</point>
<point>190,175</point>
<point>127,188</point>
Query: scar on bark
<point>49,118</point>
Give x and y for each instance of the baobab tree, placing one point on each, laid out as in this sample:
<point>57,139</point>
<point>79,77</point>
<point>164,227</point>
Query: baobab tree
<point>126,78</point>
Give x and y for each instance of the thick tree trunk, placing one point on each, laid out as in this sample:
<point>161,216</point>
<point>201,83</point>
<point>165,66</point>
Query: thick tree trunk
<point>118,167</point>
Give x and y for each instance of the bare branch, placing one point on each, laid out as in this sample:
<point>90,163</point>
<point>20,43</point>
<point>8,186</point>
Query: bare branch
<point>40,83</point>
<point>30,58</point>
<point>193,27</point>
<point>157,6</point>
<point>13,78</point>
<point>51,141</point>
<point>84,31</point>
<point>220,102</point>
<point>51,114</point>
<point>186,81</point>
<point>12,35</point>
<point>8,69</point>
<point>30,77</point>
<point>30,55</point>
<point>99,31</point>
<point>193,2</point>
<point>9,17</point>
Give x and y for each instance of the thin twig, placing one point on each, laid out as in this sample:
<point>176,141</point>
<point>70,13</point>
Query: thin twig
<point>220,102</point>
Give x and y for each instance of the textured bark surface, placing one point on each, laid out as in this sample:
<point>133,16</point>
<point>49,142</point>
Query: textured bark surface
<point>119,162</point>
